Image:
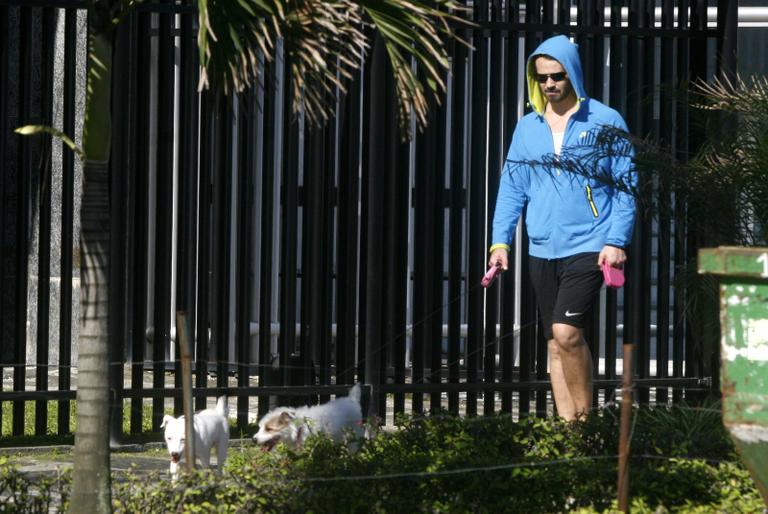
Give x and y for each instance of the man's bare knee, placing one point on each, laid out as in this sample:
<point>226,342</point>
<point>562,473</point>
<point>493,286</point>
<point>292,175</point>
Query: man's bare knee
<point>566,337</point>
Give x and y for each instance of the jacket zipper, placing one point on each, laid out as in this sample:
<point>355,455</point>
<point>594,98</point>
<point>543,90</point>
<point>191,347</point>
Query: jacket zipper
<point>592,205</point>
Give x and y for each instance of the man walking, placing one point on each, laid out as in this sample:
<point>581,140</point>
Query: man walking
<point>575,221</point>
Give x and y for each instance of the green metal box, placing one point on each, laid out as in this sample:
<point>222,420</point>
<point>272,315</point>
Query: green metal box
<point>743,277</point>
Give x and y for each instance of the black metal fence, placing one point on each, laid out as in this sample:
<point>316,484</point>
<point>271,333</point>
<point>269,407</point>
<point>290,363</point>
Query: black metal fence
<point>325,256</point>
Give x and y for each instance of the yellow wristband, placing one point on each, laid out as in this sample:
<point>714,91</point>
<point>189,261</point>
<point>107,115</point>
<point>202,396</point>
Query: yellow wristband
<point>497,246</point>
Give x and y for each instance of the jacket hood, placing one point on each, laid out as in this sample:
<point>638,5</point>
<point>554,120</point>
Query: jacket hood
<point>566,53</point>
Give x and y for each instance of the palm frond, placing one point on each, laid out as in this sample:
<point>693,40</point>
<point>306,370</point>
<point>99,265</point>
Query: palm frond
<point>743,96</point>
<point>325,43</point>
<point>230,32</point>
<point>415,29</point>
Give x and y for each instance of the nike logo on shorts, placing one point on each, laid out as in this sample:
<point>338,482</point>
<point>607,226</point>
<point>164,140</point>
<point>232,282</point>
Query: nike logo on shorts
<point>569,314</point>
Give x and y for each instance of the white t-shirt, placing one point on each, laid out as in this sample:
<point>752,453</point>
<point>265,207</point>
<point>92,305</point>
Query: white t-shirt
<point>557,138</point>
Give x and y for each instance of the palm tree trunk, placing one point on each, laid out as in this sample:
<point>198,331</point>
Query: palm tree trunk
<point>91,477</point>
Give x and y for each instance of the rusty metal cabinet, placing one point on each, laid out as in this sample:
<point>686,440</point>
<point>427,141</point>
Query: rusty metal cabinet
<point>743,276</point>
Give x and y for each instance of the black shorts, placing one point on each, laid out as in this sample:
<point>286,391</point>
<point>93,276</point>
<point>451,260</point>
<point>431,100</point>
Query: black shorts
<point>565,288</point>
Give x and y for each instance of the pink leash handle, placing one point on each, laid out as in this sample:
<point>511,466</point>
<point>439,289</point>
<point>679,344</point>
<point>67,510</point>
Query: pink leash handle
<point>613,277</point>
<point>490,275</point>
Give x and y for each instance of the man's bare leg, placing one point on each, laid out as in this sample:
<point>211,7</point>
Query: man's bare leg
<point>560,393</point>
<point>576,364</point>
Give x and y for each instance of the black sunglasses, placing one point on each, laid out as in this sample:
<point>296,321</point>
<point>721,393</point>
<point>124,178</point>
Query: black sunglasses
<point>557,77</point>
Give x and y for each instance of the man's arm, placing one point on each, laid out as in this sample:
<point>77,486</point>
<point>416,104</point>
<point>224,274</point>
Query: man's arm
<point>623,205</point>
<point>510,200</point>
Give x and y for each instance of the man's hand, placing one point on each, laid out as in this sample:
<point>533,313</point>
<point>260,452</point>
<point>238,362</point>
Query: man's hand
<point>499,255</point>
<point>615,257</point>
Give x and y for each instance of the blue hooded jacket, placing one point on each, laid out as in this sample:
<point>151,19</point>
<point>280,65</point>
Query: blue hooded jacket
<point>572,207</point>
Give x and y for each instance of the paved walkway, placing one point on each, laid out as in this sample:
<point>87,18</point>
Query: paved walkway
<point>141,459</point>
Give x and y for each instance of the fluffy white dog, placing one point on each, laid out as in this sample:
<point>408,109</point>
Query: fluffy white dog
<point>336,418</point>
<point>211,428</point>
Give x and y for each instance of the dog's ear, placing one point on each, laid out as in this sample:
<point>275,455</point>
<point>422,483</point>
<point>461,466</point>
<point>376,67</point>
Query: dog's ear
<point>286,416</point>
<point>166,419</point>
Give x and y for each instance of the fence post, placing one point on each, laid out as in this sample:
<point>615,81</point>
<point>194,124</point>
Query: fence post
<point>626,418</point>
<point>186,384</point>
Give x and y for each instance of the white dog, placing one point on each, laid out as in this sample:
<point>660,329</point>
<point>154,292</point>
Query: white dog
<point>336,418</point>
<point>211,428</point>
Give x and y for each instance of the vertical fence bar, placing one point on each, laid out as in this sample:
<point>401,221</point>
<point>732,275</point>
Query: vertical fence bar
<point>529,323</point>
<point>395,269</point>
<point>244,271</point>
<point>394,344</point>
<point>322,275</point>
<point>347,241</point>
<point>161,335</point>
<point>365,164</point>
<point>618,60</point>
<point>4,65</point>
<point>611,338</point>
<point>598,48</point>
<point>542,354</point>
<point>695,361</point>
<point>49,17</point>
<point>511,104</point>
<point>585,17</point>
<point>188,210</point>
<point>138,210</point>
<point>120,162</point>
<point>266,209</point>
<point>633,291</point>
<point>315,296</point>
<point>650,130</point>
<point>437,310</point>
<point>222,237</point>
<point>425,255</point>
<point>563,14</point>
<point>23,216</point>
<point>289,220</point>
<point>4,129</point>
<point>477,183</point>
<point>679,320</point>
<point>727,26</point>
<point>330,205</point>
<point>204,245</point>
<point>375,181</point>
<point>495,159</point>
<point>457,203</point>
<point>591,57</point>
<point>666,134</point>
<point>308,238</point>
<point>67,215</point>
<point>617,98</point>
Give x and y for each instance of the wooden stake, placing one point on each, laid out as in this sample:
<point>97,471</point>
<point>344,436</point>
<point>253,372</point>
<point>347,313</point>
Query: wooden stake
<point>186,385</point>
<point>626,420</point>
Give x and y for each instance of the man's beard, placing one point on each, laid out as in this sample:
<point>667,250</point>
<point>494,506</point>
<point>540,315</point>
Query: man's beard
<point>561,92</point>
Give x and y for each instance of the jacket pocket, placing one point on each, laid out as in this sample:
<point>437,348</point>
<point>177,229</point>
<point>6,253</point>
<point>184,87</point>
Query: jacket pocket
<point>538,221</point>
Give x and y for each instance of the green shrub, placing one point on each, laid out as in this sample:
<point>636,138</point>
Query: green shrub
<point>445,464</point>
<point>20,493</point>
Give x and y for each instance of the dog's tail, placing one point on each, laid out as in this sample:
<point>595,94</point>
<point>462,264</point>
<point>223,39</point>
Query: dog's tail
<point>221,406</point>
<point>354,393</point>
